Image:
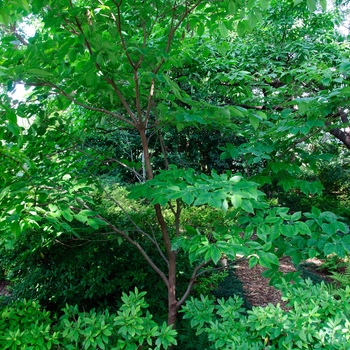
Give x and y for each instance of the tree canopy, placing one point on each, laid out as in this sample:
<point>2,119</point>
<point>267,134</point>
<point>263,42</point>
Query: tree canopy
<point>218,104</point>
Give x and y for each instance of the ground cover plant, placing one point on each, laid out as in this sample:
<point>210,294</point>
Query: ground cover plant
<point>209,135</point>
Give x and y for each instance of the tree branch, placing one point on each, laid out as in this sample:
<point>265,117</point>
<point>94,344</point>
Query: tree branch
<point>341,135</point>
<point>173,29</point>
<point>138,228</point>
<point>132,242</point>
<point>119,27</point>
<point>122,100</point>
<point>13,29</point>
<point>191,282</point>
<point>75,101</point>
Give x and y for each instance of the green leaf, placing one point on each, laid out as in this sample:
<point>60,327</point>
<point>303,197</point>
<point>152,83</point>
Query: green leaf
<point>236,200</point>
<point>53,207</point>
<point>93,223</point>
<point>215,254</point>
<point>200,29</point>
<point>232,8</point>
<point>311,4</point>
<point>16,229</point>
<point>289,230</point>
<point>25,5</point>
<point>247,206</point>
<point>323,4</point>
<point>253,261</point>
<point>296,216</point>
<point>329,249</point>
<point>302,228</point>
<point>188,198</point>
<point>252,21</point>
<point>254,121</point>
<point>80,218</point>
<point>87,212</point>
<point>267,259</point>
<point>251,4</point>
<point>224,206</point>
<point>38,72</point>
<point>223,30</point>
<point>241,28</point>
<point>340,251</point>
<point>67,215</point>
<point>4,192</point>
<point>264,4</point>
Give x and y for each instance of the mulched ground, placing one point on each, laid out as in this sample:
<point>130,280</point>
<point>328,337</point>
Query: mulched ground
<point>256,288</point>
<point>3,288</point>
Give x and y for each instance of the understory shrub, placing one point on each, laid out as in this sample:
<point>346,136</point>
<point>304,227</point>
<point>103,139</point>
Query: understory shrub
<point>317,319</point>
<point>24,325</point>
<point>93,268</point>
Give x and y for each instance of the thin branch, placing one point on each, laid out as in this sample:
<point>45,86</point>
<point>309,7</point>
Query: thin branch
<point>138,96</point>
<point>306,137</point>
<point>191,282</point>
<point>135,67</point>
<point>119,27</point>
<point>132,242</point>
<point>122,100</point>
<point>108,80</point>
<point>13,29</point>
<point>150,100</point>
<point>138,176</point>
<point>75,101</point>
<point>69,28</point>
<point>173,29</point>
<point>163,148</point>
<point>138,229</point>
<point>158,247</point>
<point>87,43</point>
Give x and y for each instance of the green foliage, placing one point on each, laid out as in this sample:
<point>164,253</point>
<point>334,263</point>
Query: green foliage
<point>316,319</point>
<point>88,272</point>
<point>343,278</point>
<point>206,283</point>
<point>24,325</point>
<point>231,286</point>
<point>102,71</point>
<point>333,263</point>
<point>214,190</point>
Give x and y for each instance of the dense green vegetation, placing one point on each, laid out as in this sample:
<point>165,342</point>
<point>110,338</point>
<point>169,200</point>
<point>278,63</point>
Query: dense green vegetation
<point>156,140</point>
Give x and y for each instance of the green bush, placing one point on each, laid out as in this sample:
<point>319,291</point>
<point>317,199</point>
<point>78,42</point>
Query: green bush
<point>94,270</point>
<point>317,319</point>
<point>91,271</point>
<point>24,325</point>
<point>91,274</point>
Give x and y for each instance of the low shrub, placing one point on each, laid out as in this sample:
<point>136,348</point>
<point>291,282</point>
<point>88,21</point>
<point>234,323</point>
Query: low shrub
<point>317,319</point>
<point>24,325</point>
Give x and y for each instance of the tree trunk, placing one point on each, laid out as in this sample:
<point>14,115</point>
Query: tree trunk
<point>171,285</point>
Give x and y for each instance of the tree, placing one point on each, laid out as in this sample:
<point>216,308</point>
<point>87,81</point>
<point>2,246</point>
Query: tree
<point>120,60</point>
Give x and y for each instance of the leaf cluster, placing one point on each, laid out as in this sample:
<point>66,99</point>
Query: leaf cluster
<point>316,319</point>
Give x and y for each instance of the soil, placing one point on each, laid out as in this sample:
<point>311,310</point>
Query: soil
<point>3,288</point>
<point>256,288</point>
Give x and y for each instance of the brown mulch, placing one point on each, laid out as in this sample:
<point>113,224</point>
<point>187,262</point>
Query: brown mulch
<point>3,288</point>
<point>256,287</point>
